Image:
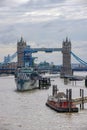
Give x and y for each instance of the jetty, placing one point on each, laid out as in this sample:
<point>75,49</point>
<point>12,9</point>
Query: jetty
<point>78,101</point>
<point>44,83</point>
<point>63,102</point>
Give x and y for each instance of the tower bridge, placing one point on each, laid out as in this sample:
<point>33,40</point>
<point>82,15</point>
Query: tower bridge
<point>25,58</point>
<point>25,55</point>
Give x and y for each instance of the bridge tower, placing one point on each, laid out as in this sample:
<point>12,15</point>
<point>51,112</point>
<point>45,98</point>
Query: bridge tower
<point>66,67</point>
<point>20,52</point>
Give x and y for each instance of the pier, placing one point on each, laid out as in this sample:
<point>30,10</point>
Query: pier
<point>62,97</point>
<point>81,100</point>
<point>44,83</point>
<point>77,101</point>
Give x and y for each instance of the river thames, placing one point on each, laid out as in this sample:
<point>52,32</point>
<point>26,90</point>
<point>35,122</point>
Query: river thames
<point>27,110</point>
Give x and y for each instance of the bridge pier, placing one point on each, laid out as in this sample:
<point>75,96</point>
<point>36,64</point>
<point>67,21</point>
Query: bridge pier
<point>66,67</point>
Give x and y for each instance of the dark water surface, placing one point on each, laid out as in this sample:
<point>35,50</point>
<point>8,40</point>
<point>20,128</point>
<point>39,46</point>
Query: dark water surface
<point>27,110</point>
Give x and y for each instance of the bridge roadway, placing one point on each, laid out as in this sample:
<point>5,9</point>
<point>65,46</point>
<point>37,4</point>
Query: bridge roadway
<point>79,100</point>
<point>47,50</point>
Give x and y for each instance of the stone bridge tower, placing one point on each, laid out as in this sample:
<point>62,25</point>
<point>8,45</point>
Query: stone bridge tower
<point>20,52</point>
<point>66,67</point>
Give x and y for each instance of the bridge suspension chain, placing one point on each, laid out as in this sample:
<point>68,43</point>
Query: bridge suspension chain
<point>14,55</point>
<point>79,59</point>
<point>9,58</point>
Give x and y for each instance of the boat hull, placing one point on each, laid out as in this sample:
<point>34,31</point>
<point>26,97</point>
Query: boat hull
<point>60,109</point>
<point>26,85</point>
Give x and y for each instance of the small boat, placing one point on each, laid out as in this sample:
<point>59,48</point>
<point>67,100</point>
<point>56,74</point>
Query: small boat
<point>60,103</point>
<point>27,79</point>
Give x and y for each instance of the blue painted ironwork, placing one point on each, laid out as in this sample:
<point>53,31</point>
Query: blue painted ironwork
<point>35,50</point>
<point>8,59</point>
<point>29,60</point>
<point>79,59</point>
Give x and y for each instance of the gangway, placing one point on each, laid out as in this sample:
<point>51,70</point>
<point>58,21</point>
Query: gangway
<point>79,100</point>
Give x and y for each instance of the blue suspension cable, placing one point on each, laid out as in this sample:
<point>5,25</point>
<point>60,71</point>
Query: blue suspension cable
<point>13,56</point>
<point>78,59</point>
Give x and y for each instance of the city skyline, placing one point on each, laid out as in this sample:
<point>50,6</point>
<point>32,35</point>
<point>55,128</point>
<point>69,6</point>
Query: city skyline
<point>43,23</point>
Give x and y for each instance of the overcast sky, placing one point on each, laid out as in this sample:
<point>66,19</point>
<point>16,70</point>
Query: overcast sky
<point>43,23</point>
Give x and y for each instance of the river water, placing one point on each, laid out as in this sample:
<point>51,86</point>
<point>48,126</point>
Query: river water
<point>27,110</point>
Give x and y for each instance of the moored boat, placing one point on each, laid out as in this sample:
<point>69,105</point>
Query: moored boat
<point>27,79</point>
<point>60,103</point>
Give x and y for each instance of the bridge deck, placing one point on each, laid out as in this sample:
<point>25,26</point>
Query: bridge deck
<point>35,50</point>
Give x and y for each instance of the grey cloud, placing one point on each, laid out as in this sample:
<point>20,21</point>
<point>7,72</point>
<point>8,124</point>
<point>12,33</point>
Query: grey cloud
<point>18,21</point>
<point>6,3</point>
<point>44,22</point>
<point>2,2</point>
<point>53,31</point>
<point>43,3</point>
<point>30,2</point>
<point>57,1</point>
<point>12,3</point>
